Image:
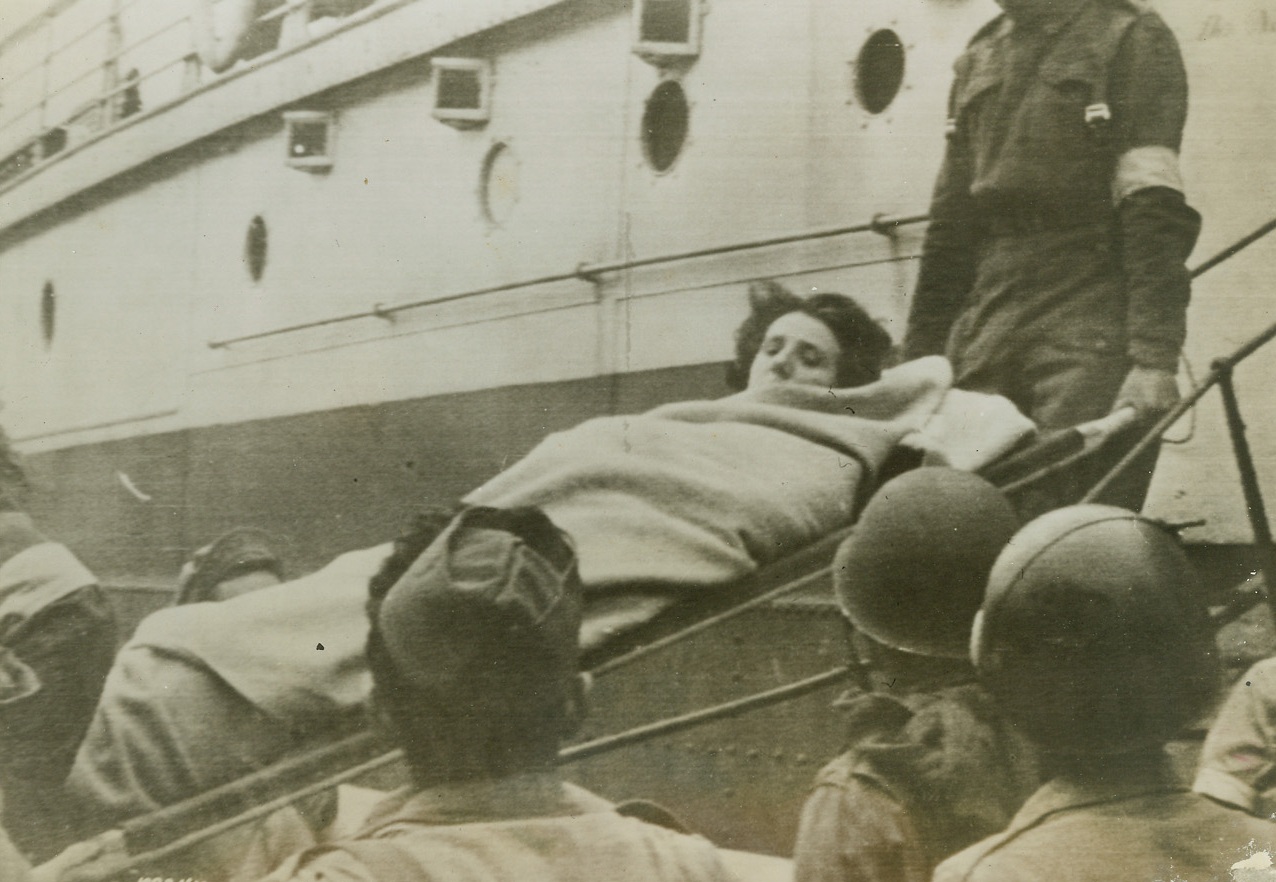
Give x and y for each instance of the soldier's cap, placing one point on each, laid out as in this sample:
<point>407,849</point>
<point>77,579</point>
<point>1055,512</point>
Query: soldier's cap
<point>498,591</point>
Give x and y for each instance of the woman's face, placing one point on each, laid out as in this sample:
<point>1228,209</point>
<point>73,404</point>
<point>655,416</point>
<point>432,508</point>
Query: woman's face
<point>797,348</point>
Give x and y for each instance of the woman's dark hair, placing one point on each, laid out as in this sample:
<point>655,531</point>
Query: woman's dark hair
<point>865,345</point>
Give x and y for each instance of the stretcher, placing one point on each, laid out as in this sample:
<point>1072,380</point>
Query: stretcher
<point>126,852</point>
<point>123,852</point>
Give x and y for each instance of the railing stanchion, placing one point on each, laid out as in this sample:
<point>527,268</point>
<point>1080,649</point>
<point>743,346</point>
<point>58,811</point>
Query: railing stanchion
<point>1263,545</point>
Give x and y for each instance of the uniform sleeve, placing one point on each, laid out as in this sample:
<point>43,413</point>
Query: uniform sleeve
<point>1238,759</point>
<point>856,833</point>
<point>1148,92</point>
<point>69,646</point>
<point>166,729</point>
<point>1158,227</point>
<point>948,256</point>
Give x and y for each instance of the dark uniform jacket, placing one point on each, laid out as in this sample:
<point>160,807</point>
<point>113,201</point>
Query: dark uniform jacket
<point>57,637</point>
<point>1058,213</point>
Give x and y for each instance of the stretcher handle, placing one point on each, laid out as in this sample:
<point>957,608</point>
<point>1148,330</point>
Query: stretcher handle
<point>1096,432</point>
<point>1057,451</point>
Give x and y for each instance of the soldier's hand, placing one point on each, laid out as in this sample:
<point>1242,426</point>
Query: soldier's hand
<point>92,858</point>
<point>1150,391</point>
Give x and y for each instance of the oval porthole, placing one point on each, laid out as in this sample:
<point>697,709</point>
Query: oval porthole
<point>664,125</point>
<point>499,188</point>
<point>255,247</point>
<point>48,312</point>
<point>879,70</point>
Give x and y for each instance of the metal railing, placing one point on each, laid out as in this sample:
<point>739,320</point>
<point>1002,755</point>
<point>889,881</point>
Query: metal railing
<point>99,66</point>
<point>184,825</point>
<point>104,65</point>
<point>1221,375</point>
<point>584,272</point>
<point>1085,448</point>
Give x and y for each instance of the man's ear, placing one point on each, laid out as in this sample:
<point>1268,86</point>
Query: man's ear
<point>577,699</point>
<point>377,713</point>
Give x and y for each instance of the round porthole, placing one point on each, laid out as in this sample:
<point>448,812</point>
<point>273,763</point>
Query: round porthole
<point>664,125</point>
<point>499,187</point>
<point>48,312</point>
<point>255,247</point>
<point>879,70</point>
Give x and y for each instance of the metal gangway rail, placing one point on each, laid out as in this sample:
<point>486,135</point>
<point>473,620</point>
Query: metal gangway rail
<point>592,273</point>
<point>68,93</point>
<point>168,831</point>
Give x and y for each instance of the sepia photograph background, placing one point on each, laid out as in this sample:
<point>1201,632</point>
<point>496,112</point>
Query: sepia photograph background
<point>372,261</point>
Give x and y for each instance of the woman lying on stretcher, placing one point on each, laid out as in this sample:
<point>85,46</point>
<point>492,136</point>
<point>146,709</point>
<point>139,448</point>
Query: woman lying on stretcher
<point>698,494</point>
<point>682,500</point>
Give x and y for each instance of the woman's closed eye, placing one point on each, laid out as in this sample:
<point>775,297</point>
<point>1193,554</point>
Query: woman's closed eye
<point>812,357</point>
<point>797,348</point>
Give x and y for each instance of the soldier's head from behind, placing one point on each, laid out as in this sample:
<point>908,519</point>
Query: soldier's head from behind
<point>1094,638</point>
<point>473,648</point>
<point>911,575</point>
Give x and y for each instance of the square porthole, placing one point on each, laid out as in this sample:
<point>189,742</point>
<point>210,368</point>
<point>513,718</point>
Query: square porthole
<point>462,91</point>
<point>667,29</point>
<point>310,135</point>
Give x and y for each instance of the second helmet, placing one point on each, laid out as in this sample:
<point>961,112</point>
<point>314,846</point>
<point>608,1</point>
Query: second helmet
<point>1093,634</point>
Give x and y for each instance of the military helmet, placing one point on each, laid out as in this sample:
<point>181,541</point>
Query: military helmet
<point>1093,633</point>
<point>911,576</point>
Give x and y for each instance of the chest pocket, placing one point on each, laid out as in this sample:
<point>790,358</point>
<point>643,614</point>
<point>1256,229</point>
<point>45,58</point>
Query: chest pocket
<point>1071,104</point>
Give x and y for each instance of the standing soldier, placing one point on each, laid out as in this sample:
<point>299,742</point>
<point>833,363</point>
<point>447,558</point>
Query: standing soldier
<point>1053,268</point>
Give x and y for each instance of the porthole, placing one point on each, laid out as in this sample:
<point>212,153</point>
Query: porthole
<point>498,189</point>
<point>48,313</point>
<point>255,247</point>
<point>664,125</point>
<point>879,70</point>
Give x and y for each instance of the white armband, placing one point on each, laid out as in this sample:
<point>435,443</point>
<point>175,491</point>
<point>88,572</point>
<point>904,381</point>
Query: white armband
<point>1145,167</point>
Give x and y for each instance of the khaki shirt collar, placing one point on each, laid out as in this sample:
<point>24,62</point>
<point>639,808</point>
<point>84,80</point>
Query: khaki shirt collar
<point>530,795</point>
<point>1060,795</point>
